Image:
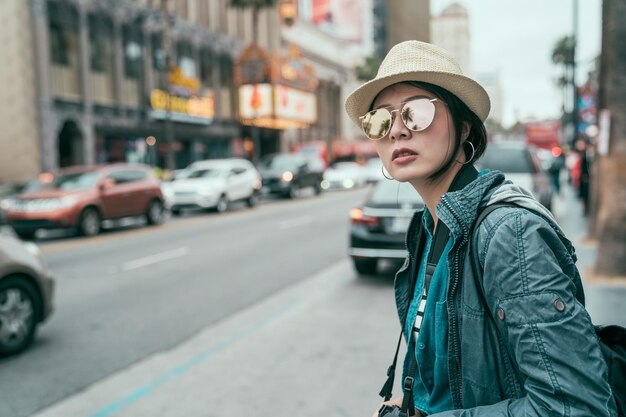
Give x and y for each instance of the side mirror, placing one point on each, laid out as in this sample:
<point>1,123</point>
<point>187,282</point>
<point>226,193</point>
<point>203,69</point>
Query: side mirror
<point>107,183</point>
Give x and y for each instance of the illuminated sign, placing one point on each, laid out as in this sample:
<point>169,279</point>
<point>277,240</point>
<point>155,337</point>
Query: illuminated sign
<point>181,83</point>
<point>252,66</point>
<point>192,110</point>
<point>276,107</point>
<point>255,100</point>
<point>295,104</point>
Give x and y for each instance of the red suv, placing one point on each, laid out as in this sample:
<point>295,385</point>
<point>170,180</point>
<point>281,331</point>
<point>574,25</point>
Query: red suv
<point>81,197</point>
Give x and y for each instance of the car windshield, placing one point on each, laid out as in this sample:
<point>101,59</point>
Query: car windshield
<point>510,160</point>
<point>395,192</point>
<point>76,181</point>
<point>205,173</point>
<point>280,162</point>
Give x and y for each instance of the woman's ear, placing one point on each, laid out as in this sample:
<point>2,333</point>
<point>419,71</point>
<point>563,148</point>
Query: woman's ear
<point>465,131</point>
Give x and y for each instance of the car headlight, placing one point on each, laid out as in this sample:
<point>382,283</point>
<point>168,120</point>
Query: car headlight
<point>348,183</point>
<point>6,204</point>
<point>67,201</point>
<point>32,249</point>
<point>287,176</point>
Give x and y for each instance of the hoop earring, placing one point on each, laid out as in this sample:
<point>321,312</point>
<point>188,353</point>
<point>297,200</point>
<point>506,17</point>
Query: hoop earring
<point>473,152</point>
<point>382,169</point>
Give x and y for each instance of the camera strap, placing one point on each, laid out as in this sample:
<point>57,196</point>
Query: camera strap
<point>466,175</point>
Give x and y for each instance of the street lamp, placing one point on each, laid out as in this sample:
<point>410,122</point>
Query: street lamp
<point>167,49</point>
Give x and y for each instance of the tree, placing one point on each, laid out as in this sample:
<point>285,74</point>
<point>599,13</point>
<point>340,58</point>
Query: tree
<point>563,54</point>
<point>368,70</point>
<point>611,216</point>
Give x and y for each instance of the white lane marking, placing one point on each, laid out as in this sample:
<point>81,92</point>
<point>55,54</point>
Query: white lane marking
<point>156,258</point>
<point>298,221</point>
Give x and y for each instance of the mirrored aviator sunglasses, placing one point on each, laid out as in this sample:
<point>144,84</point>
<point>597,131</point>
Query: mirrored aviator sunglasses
<point>416,114</point>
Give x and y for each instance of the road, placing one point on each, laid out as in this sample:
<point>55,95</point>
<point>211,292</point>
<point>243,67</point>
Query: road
<point>127,294</point>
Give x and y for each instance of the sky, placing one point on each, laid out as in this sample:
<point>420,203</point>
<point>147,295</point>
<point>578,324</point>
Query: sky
<point>515,38</point>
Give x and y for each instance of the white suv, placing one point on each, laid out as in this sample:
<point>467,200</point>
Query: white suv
<point>214,184</point>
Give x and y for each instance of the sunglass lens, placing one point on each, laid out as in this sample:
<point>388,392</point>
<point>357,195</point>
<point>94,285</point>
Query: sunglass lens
<point>418,114</point>
<point>376,124</point>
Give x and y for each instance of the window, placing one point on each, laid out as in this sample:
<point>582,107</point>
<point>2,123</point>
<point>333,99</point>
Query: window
<point>63,26</point>
<point>125,176</point>
<point>206,68</point>
<point>133,52</point>
<point>100,41</point>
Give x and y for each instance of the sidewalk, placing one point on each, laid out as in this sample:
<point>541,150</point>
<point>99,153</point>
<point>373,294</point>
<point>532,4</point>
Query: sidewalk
<point>605,299</point>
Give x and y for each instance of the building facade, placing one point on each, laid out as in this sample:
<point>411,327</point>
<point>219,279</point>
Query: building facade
<point>451,31</point>
<point>399,20</point>
<point>92,79</point>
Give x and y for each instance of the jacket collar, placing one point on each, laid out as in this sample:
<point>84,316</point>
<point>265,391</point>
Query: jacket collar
<point>458,209</point>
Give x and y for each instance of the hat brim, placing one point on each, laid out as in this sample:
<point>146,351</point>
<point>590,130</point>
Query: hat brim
<point>467,90</point>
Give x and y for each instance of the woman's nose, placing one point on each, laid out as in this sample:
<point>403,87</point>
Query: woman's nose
<point>398,128</point>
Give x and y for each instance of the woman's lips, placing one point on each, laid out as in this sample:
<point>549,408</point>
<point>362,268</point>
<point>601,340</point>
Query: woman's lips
<point>403,156</point>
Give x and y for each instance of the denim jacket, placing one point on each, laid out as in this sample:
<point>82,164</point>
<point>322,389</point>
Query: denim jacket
<point>544,359</point>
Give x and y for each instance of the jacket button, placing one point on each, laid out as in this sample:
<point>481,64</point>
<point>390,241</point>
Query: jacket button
<point>500,313</point>
<point>559,305</point>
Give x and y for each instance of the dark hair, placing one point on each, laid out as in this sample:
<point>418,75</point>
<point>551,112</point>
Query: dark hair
<point>460,113</point>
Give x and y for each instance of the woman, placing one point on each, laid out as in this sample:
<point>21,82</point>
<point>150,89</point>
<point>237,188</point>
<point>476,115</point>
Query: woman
<point>533,352</point>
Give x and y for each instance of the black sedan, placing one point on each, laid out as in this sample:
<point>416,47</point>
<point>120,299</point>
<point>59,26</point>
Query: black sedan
<point>379,225</point>
<point>286,174</point>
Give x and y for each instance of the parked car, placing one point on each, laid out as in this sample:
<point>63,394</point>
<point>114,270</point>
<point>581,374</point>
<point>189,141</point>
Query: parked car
<point>215,184</point>
<point>343,175</point>
<point>26,291</point>
<point>82,197</point>
<point>286,174</point>
<point>521,165</point>
<point>373,170</point>
<point>10,192</point>
<point>379,225</point>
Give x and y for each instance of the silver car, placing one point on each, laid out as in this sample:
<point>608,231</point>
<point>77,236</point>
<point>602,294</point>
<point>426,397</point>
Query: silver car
<point>521,165</point>
<point>26,290</point>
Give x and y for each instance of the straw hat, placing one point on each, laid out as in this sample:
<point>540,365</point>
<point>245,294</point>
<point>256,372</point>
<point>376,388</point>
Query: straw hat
<point>419,61</point>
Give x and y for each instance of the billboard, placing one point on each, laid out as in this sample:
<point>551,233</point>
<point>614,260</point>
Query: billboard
<point>340,18</point>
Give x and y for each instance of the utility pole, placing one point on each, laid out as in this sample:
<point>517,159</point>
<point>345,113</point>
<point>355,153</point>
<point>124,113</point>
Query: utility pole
<point>170,163</point>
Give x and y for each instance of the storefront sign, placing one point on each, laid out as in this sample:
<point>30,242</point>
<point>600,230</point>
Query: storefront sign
<point>181,83</point>
<point>290,70</point>
<point>192,110</point>
<point>252,66</point>
<point>276,107</point>
<point>295,104</point>
<point>255,100</point>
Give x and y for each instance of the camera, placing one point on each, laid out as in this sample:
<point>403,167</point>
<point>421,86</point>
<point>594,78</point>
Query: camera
<point>391,411</point>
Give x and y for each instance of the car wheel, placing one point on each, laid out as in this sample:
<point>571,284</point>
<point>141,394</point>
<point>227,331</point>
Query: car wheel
<point>89,222</point>
<point>317,188</point>
<point>25,235</point>
<point>253,199</point>
<point>293,192</point>
<point>365,266</point>
<point>222,204</point>
<point>155,214</point>
<point>19,309</point>
<point>175,212</point>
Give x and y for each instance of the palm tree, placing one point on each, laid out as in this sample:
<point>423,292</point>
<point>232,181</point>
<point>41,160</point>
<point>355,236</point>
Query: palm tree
<point>611,216</point>
<point>256,6</point>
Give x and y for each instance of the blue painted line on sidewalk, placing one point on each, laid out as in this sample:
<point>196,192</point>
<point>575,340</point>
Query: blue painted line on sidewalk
<point>180,370</point>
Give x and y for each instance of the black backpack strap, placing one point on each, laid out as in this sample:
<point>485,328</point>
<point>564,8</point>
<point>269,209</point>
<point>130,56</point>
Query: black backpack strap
<point>465,175</point>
